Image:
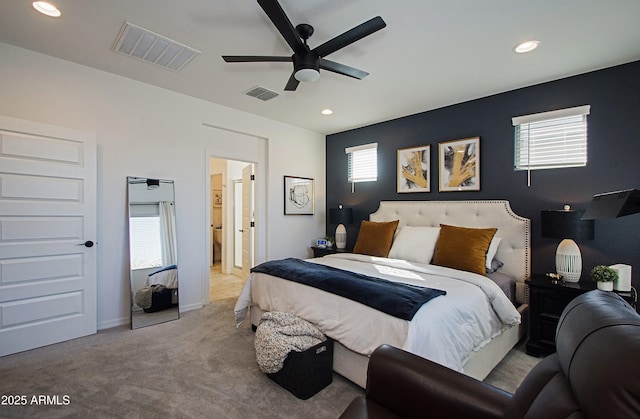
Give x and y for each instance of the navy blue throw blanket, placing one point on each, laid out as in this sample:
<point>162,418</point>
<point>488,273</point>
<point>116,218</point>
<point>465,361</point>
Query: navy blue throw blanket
<point>398,300</point>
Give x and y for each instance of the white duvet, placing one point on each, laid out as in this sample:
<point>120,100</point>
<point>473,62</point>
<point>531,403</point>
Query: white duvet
<point>445,329</point>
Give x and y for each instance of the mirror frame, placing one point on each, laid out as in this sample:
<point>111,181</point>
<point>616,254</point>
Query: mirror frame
<point>154,287</point>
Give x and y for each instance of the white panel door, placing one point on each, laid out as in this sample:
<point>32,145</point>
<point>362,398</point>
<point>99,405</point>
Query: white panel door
<point>247,220</point>
<point>47,230</point>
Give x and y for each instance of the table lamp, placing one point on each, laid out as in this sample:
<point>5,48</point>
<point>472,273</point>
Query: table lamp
<point>567,225</point>
<point>613,205</point>
<point>341,216</point>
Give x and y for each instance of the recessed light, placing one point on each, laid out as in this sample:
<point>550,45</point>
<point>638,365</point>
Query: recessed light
<point>526,46</point>
<point>326,112</point>
<point>46,8</point>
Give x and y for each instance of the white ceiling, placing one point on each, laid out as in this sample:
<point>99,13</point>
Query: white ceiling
<point>433,53</point>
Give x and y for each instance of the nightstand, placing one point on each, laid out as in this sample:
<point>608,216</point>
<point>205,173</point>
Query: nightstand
<point>547,300</point>
<point>318,252</point>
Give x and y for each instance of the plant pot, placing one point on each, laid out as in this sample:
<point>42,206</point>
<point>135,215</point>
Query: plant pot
<point>605,286</point>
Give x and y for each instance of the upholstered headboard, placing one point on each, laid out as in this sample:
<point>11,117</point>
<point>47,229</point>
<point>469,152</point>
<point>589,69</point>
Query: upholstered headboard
<point>514,250</point>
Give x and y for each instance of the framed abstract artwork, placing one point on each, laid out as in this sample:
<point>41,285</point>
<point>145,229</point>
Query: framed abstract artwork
<point>298,195</point>
<point>414,169</point>
<point>459,165</point>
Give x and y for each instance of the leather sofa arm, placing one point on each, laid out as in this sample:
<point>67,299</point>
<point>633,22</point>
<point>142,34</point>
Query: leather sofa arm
<point>414,387</point>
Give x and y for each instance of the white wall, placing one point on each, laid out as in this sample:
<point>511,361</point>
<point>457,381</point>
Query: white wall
<point>151,132</point>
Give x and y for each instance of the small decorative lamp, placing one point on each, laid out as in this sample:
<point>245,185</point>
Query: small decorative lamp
<point>567,225</point>
<point>341,216</point>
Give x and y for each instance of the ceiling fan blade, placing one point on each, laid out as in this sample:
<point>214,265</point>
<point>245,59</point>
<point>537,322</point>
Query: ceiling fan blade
<point>273,9</point>
<point>342,69</point>
<point>292,84</point>
<point>350,36</point>
<point>254,59</point>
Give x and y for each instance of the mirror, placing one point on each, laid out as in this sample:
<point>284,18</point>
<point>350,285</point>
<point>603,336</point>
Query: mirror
<point>153,251</point>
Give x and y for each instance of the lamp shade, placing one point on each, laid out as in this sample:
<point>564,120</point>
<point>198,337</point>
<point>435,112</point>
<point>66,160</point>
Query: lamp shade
<point>565,224</point>
<point>613,204</point>
<point>341,215</point>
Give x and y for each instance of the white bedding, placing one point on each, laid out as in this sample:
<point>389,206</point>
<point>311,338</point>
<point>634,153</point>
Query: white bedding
<point>166,277</point>
<point>445,330</point>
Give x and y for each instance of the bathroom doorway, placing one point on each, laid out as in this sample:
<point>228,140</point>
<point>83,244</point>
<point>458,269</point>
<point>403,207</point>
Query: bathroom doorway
<point>230,202</point>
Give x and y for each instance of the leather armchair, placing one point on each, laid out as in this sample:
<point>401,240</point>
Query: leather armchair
<point>595,373</point>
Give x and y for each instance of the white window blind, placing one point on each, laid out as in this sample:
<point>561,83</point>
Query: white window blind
<point>144,234</point>
<point>363,163</point>
<point>551,140</point>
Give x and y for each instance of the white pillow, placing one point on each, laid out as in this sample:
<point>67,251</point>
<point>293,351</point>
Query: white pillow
<point>493,249</point>
<point>415,244</point>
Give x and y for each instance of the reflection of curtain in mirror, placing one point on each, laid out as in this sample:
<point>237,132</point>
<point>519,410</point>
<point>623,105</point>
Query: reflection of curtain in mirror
<point>167,233</point>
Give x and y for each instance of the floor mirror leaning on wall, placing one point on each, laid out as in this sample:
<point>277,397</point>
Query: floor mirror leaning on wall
<point>153,252</point>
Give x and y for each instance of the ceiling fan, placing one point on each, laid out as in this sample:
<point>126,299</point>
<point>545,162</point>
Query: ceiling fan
<point>308,62</point>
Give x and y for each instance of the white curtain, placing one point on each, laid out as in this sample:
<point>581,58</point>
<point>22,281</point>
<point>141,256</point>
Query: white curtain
<point>168,233</point>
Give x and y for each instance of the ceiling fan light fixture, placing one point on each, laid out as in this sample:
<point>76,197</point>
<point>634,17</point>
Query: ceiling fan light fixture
<point>307,74</point>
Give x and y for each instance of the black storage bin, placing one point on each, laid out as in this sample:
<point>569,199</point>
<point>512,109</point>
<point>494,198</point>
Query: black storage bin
<point>160,300</point>
<point>306,373</point>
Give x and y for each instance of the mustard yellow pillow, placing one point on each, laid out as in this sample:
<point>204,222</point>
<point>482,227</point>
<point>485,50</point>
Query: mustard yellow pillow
<point>463,248</point>
<point>375,239</point>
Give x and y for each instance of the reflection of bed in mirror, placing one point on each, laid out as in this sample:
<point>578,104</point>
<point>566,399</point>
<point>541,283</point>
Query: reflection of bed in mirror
<point>153,257</point>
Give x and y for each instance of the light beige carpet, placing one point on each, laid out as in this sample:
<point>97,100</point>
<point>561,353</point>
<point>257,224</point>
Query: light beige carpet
<point>200,366</point>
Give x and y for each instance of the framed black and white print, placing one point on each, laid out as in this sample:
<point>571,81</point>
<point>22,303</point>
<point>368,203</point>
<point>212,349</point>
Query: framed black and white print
<point>459,165</point>
<point>298,195</point>
<point>414,169</point>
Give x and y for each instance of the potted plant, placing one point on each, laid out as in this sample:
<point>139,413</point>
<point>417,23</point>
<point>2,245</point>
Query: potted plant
<point>330,241</point>
<point>604,277</point>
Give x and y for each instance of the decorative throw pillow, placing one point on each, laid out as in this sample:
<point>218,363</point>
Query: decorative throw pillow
<point>493,249</point>
<point>375,239</point>
<point>495,265</point>
<point>463,248</point>
<point>415,243</point>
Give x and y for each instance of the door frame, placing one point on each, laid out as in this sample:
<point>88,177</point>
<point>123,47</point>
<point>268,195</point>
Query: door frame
<point>224,143</point>
<point>237,205</point>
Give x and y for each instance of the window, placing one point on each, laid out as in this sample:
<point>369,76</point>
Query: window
<point>363,163</point>
<point>551,140</point>
<point>144,232</point>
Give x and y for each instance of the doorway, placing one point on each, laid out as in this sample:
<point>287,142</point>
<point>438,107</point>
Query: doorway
<point>231,145</point>
<point>232,198</point>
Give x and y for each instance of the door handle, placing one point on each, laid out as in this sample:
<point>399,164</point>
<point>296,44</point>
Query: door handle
<point>88,243</point>
<point>241,231</point>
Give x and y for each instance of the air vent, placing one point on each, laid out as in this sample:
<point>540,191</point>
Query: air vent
<point>262,93</point>
<point>142,44</point>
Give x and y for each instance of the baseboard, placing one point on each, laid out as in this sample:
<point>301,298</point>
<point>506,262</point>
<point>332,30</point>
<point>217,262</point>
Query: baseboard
<point>195,306</point>
<point>108,324</point>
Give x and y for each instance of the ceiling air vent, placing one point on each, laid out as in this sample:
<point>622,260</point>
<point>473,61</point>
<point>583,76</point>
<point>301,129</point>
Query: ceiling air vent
<point>145,45</point>
<point>262,93</point>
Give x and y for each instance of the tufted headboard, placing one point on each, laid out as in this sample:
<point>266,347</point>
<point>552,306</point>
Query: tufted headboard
<point>514,250</point>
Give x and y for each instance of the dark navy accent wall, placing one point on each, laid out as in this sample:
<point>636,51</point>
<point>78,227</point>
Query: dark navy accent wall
<point>613,160</point>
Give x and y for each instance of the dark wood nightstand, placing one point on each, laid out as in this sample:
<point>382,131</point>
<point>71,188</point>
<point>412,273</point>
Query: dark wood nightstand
<point>547,300</point>
<point>318,252</point>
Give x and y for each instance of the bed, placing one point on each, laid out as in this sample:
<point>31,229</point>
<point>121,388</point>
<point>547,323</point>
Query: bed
<point>470,328</point>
